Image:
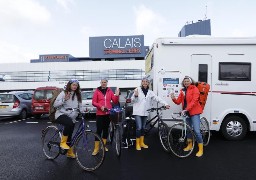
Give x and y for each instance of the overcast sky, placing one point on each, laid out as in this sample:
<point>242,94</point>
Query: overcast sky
<point>32,27</point>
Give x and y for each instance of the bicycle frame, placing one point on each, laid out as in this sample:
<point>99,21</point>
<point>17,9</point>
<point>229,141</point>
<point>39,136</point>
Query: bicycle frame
<point>82,128</point>
<point>157,119</point>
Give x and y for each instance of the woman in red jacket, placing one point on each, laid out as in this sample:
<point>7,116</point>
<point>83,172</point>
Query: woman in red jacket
<point>102,98</point>
<point>189,97</point>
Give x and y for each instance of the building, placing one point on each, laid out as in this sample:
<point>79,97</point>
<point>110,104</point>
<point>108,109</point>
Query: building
<point>201,27</point>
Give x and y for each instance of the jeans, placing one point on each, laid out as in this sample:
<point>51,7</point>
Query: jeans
<point>194,123</point>
<point>140,125</point>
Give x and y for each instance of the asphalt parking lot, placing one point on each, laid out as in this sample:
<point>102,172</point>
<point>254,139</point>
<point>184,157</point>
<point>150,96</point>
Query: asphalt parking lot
<point>22,158</point>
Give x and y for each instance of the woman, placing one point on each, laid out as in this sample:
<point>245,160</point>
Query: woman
<point>189,97</point>
<point>102,98</point>
<point>141,100</point>
<point>66,100</point>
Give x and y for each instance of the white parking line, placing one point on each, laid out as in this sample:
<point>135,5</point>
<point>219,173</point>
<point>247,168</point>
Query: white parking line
<point>32,122</point>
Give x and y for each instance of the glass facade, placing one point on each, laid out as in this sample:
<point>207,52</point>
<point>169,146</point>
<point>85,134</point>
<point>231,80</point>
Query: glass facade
<point>81,75</point>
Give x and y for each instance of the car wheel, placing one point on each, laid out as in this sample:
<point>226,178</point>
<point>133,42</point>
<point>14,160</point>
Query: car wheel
<point>234,128</point>
<point>23,114</point>
<point>38,116</point>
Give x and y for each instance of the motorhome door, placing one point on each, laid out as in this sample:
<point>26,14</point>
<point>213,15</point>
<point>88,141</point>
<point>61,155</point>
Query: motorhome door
<point>201,70</point>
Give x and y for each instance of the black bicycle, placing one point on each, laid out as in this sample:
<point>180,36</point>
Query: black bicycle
<point>116,117</point>
<point>162,127</point>
<point>82,141</point>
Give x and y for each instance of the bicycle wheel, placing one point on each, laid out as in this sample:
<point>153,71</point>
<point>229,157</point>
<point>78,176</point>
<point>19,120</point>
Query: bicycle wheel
<point>163,129</point>
<point>205,130</point>
<point>111,132</point>
<point>51,137</point>
<point>177,139</point>
<point>117,140</point>
<point>84,147</point>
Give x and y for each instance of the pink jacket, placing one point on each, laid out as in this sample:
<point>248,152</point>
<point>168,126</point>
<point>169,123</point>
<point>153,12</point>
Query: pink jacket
<point>100,100</point>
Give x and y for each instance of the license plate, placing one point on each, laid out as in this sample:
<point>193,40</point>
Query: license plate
<point>39,108</point>
<point>2,107</point>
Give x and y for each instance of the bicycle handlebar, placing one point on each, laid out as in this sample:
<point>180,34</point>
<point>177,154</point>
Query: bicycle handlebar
<point>156,109</point>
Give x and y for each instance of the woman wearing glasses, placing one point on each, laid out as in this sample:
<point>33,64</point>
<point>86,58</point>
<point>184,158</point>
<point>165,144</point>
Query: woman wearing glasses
<point>102,98</point>
<point>67,100</point>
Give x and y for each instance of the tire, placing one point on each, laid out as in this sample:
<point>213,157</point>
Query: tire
<point>118,140</point>
<point>37,116</point>
<point>163,129</point>
<point>83,149</point>
<point>111,133</point>
<point>51,137</point>
<point>177,139</point>
<point>205,130</point>
<point>23,114</point>
<point>234,128</point>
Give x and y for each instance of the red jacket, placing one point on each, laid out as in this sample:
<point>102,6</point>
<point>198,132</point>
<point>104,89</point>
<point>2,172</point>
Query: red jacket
<point>192,97</point>
<point>100,100</point>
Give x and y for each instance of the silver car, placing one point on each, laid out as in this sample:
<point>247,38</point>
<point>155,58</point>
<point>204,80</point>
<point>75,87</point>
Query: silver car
<point>16,104</point>
<point>87,102</point>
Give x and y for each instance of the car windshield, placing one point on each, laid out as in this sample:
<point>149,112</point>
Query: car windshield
<point>87,95</point>
<point>6,98</point>
<point>43,94</point>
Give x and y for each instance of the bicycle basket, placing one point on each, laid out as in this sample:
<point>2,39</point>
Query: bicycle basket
<point>116,114</point>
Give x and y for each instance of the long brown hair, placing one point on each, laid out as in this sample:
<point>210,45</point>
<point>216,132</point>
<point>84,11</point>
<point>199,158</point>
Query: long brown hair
<point>77,92</point>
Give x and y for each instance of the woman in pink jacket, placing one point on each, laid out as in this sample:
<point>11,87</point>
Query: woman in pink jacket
<point>102,98</point>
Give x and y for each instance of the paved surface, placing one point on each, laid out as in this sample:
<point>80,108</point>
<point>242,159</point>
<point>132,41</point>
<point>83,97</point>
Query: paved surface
<point>22,158</point>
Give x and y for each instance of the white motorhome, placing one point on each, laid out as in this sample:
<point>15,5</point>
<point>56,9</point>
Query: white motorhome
<point>227,64</point>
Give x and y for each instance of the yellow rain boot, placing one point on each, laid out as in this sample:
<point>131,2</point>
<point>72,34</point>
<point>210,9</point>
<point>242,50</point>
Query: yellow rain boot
<point>63,142</point>
<point>189,146</point>
<point>142,142</point>
<point>105,142</point>
<point>71,154</point>
<point>201,150</point>
<point>138,144</point>
<point>96,148</point>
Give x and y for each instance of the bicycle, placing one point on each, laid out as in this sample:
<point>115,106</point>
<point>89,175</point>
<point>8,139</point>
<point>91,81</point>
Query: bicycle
<point>177,135</point>
<point>82,141</point>
<point>116,117</point>
<point>163,128</point>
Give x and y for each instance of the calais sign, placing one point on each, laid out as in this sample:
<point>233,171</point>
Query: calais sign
<point>117,47</point>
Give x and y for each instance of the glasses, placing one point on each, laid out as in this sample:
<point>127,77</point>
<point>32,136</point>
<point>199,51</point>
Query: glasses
<point>73,81</point>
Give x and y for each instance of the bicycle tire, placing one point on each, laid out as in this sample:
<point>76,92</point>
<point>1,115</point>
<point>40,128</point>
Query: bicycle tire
<point>205,131</point>
<point>177,139</point>
<point>83,149</point>
<point>51,138</point>
<point>117,140</point>
<point>163,129</point>
<point>110,132</point>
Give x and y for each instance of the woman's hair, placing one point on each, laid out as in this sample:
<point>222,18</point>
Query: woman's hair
<point>77,91</point>
<point>189,78</point>
<point>147,79</point>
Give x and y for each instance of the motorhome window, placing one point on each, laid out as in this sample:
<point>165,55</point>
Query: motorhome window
<point>235,71</point>
<point>203,72</point>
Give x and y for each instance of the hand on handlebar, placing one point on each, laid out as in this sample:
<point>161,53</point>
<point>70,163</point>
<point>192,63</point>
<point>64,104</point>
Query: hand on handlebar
<point>184,113</point>
<point>167,106</point>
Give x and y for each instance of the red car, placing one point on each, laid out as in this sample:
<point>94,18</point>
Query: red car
<point>41,100</point>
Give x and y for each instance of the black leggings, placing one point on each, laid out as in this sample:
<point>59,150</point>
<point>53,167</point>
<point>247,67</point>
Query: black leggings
<point>102,124</point>
<point>68,124</point>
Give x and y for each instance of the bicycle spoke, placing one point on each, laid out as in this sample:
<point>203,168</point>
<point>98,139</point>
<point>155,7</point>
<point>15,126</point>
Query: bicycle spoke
<point>51,140</point>
<point>205,130</point>
<point>177,139</point>
<point>84,147</point>
<point>163,135</point>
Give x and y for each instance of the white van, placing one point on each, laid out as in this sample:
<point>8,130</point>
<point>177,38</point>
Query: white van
<point>227,64</point>
<point>87,102</point>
